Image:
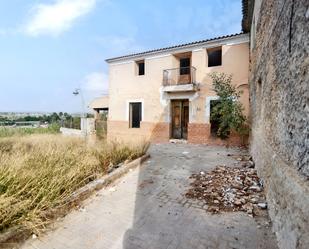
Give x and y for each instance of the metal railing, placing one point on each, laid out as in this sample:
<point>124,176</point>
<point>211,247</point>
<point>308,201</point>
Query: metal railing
<point>179,76</point>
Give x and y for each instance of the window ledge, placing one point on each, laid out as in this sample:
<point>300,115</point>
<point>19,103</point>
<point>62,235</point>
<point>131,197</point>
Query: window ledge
<point>214,66</point>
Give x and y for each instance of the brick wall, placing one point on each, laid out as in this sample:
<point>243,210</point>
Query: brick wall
<point>198,133</point>
<point>160,133</point>
<point>154,132</point>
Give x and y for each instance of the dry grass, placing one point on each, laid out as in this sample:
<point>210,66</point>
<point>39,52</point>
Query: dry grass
<point>39,172</point>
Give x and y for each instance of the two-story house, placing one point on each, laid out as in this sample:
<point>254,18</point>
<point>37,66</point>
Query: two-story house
<point>167,93</point>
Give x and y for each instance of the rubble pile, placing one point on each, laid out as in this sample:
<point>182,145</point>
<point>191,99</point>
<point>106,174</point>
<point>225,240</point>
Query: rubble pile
<point>229,189</point>
<point>243,160</point>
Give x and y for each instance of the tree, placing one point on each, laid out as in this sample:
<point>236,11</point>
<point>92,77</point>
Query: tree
<point>67,116</point>
<point>31,118</point>
<point>54,117</point>
<point>228,111</point>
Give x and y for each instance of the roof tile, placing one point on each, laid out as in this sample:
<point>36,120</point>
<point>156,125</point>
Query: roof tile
<point>171,47</point>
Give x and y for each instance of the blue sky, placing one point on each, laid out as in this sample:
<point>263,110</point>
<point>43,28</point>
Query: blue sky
<point>50,47</point>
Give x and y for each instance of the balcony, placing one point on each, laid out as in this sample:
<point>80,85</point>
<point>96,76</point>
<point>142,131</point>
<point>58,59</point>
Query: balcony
<point>180,79</point>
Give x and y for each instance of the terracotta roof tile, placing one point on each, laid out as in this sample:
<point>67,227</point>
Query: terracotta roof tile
<point>171,47</point>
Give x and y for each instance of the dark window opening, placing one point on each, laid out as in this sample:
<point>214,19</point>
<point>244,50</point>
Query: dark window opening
<point>141,67</point>
<point>184,66</point>
<point>135,115</point>
<point>215,117</point>
<point>214,57</point>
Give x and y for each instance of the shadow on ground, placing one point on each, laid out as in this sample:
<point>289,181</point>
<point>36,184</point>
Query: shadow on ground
<point>164,218</point>
<point>146,209</point>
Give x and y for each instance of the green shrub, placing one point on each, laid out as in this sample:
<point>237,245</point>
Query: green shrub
<point>228,111</point>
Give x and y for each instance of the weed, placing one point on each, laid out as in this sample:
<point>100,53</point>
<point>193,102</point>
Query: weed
<point>39,172</point>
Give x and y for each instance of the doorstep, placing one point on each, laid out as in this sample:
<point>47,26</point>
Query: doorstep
<point>178,141</point>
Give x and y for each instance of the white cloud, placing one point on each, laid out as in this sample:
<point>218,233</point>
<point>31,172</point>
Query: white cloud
<point>95,83</point>
<point>57,17</point>
<point>118,45</point>
<point>228,22</point>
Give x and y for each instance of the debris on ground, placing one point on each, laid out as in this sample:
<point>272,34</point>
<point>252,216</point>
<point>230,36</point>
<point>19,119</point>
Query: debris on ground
<point>262,205</point>
<point>145,183</point>
<point>81,209</point>
<point>178,141</point>
<point>243,160</point>
<point>229,189</point>
<point>112,189</point>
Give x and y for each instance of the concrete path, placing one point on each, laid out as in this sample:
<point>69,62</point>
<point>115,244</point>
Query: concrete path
<point>147,209</point>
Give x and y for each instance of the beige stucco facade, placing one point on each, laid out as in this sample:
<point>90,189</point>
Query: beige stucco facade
<point>126,86</point>
<point>99,104</point>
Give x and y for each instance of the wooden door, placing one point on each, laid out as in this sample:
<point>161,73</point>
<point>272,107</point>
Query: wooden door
<point>185,119</point>
<point>180,119</point>
<point>176,119</point>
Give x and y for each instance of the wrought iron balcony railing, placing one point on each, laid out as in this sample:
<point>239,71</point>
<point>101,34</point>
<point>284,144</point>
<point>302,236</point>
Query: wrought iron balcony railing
<point>179,76</point>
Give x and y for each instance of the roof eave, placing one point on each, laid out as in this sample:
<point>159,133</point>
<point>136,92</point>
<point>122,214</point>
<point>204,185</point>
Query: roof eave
<point>175,48</point>
<point>247,12</point>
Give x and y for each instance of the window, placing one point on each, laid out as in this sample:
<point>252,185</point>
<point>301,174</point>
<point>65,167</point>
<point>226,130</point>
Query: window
<point>141,67</point>
<point>184,66</point>
<point>214,57</point>
<point>135,114</point>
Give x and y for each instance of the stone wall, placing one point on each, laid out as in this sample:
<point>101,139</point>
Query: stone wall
<point>279,95</point>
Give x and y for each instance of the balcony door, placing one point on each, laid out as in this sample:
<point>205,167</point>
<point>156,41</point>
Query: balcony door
<point>180,119</point>
<point>184,73</point>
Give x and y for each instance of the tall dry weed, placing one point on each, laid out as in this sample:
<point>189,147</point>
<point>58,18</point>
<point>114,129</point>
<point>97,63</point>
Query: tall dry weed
<point>39,172</point>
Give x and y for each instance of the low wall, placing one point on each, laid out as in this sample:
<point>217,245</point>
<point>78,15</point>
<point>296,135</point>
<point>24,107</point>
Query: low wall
<point>71,132</point>
<point>87,128</point>
<point>87,125</point>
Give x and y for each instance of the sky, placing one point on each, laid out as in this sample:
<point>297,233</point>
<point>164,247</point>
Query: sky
<point>48,48</point>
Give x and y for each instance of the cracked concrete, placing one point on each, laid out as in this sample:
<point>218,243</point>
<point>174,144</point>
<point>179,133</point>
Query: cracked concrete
<point>147,209</point>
